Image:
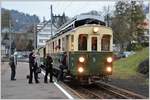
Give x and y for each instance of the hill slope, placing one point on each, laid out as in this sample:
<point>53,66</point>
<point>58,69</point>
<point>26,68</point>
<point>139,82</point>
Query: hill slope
<point>21,22</point>
<point>127,67</point>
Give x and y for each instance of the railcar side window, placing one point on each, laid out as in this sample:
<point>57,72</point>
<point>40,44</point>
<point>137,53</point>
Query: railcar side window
<point>63,44</point>
<point>105,43</point>
<point>82,42</point>
<point>59,44</point>
<point>94,44</point>
<point>53,46</point>
<point>72,42</point>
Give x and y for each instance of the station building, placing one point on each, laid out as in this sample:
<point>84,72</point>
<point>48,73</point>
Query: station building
<point>44,32</point>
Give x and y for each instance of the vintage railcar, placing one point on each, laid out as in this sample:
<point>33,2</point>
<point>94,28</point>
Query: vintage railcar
<point>42,53</point>
<point>88,44</point>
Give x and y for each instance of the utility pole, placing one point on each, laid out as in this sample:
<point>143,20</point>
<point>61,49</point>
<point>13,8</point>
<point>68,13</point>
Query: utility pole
<point>108,16</point>
<point>10,37</point>
<point>51,20</point>
<point>35,35</point>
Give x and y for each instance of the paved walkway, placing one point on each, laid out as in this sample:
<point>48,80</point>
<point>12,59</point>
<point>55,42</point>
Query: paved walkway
<point>20,89</point>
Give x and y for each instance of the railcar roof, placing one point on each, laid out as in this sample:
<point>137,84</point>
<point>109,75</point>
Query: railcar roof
<point>82,17</point>
<point>79,20</point>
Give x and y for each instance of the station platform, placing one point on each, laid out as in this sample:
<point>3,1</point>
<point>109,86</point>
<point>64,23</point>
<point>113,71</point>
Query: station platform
<point>20,89</point>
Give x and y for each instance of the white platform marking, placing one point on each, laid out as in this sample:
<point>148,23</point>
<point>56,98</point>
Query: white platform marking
<point>63,90</point>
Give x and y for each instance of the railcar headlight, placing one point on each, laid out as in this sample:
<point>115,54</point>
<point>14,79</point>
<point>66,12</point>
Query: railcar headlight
<point>108,69</point>
<point>95,29</point>
<point>81,59</point>
<point>109,59</point>
<point>80,69</point>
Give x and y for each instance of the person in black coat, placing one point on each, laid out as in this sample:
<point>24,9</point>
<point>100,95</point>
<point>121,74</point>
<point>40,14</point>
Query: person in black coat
<point>13,64</point>
<point>63,65</point>
<point>33,68</point>
<point>49,69</point>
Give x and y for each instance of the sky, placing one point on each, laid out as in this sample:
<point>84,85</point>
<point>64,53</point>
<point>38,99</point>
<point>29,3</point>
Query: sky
<point>42,8</point>
<point>70,7</point>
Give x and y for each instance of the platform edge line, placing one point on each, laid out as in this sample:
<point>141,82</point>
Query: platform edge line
<point>63,90</point>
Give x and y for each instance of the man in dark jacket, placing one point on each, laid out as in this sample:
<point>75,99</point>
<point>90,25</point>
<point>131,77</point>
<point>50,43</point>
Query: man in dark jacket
<point>33,68</point>
<point>62,66</point>
<point>13,64</point>
<point>49,68</point>
<point>64,59</point>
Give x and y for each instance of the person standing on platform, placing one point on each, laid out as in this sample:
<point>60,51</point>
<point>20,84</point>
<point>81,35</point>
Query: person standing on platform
<point>62,66</point>
<point>33,68</point>
<point>49,69</point>
<point>38,63</point>
<point>13,64</point>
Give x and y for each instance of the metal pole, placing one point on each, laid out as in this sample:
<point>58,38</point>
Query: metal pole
<point>51,20</point>
<point>34,32</point>
<point>10,37</point>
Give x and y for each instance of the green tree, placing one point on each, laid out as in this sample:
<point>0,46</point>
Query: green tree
<point>5,19</point>
<point>120,24</point>
<point>126,23</point>
<point>137,17</point>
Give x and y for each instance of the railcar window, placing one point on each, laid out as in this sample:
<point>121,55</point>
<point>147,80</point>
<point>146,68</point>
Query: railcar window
<point>72,42</point>
<point>63,44</point>
<point>105,43</point>
<point>53,46</point>
<point>59,43</point>
<point>44,52</point>
<point>82,42</point>
<point>94,43</point>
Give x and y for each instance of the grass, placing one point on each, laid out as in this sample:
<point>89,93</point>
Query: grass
<point>127,67</point>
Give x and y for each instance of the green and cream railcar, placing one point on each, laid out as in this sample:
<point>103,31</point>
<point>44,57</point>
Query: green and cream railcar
<point>42,53</point>
<point>89,51</point>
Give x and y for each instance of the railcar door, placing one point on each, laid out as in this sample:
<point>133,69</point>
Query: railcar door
<point>44,52</point>
<point>93,56</point>
<point>67,43</point>
<point>94,43</point>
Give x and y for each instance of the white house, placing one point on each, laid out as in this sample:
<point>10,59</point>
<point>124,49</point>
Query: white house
<point>44,33</point>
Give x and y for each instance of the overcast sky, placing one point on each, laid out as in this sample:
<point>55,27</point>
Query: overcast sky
<point>70,7</point>
<point>42,8</point>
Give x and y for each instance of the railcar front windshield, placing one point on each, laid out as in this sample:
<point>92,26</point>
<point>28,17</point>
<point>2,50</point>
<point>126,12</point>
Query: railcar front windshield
<point>94,44</point>
<point>82,42</point>
<point>105,43</point>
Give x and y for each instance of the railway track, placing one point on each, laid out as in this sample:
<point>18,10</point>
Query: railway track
<point>102,90</point>
<point>125,94</point>
<point>81,92</point>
